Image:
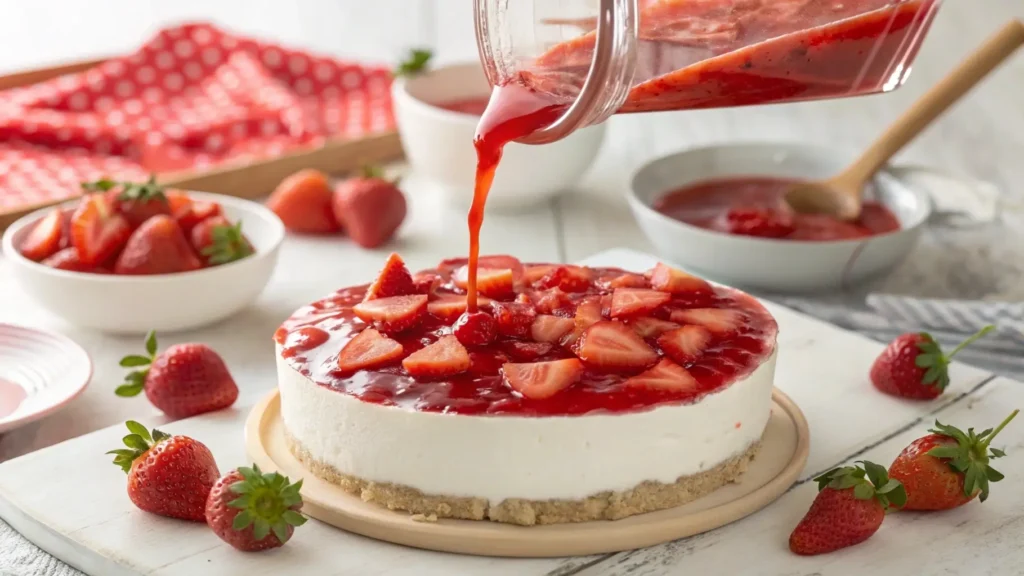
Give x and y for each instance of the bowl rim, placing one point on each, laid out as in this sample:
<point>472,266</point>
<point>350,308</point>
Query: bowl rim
<point>255,208</point>
<point>400,93</point>
<point>637,203</point>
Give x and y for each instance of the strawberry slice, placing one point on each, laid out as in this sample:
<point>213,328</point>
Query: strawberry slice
<point>369,349</point>
<point>685,344</point>
<point>568,278</point>
<point>627,281</point>
<point>426,282</point>
<point>647,327</point>
<point>449,307</point>
<point>673,281</point>
<point>636,301</point>
<point>718,320</point>
<point>534,273</point>
<point>540,380</point>
<point>548,301</point>
<point>666,375</point>
<point>446,357</point>
<point>526,351</point>
<point>67,259</point>
<point>588,313</point>
<point>44,239</point>
<point>613,346</point>
<point>98,232</point>
<point>514,318</point>
<point>502,262</point>
<point>493,282</point>
<point>394,314</point>
<point>547,328</point>
<point>394,280</point>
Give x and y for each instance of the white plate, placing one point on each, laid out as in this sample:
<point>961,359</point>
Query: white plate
<point>40,373</point>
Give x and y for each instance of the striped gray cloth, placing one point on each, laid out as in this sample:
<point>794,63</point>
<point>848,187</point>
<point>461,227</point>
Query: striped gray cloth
<point>948,321</point>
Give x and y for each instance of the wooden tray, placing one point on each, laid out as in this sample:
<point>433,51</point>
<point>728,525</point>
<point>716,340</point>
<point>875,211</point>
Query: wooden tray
<point>243,180</point>
<point>784,450</point>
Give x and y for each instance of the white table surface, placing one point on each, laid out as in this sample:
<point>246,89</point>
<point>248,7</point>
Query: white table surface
<point>981,139</point>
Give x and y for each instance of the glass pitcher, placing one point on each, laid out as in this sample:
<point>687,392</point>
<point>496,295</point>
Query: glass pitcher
<point>593,58</point>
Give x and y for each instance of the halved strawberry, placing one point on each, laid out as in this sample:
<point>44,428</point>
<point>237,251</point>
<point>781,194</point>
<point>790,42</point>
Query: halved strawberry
<point>718,320</point>
<point>502,262</point>
<point>189,211</point>
<point>547,328</point>
<point>394,314</point>
<point>628,281</point>
<point>514,318</point>
<point>534,273</point>
<point>493,282</point>
<point>673,281</point>
<point>568,278</point>
<point>449,307</point>
<point>426,282</point>
<point>666,375</point>
<point>648,327</point>
<point>550,300</point>
<point>685,344</point>
<point>394,280</point>
<point>97,231</point>
<point>540,380</point>
<point>613,346</point>
<point>588,313</point>
<point>369,349</point>
<point>446,357</point>
<point>44,239</point>
<point>67,259</point>
<point>636,301</point>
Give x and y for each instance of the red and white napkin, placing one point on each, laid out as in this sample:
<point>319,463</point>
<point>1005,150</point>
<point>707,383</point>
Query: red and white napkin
<point>192,97</point>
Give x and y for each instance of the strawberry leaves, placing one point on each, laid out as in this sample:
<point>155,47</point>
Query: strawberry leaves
<point>267,501</point>
<point>140,192</point>
<point>970,455</point>
<point>138,442</point>
<point>227,244</point>
<point>935,363</point>
<point>135,381</point>
<point>867,481</point>
<point>415,63</point>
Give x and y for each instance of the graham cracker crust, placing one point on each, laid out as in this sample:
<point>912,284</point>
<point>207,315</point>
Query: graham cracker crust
<point>645,497</point>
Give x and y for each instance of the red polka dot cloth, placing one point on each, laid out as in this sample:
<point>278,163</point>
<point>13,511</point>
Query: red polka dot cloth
<point>192,97</point>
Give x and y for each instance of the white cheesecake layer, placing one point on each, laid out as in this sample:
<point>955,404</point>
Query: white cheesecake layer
<point>535,458</point>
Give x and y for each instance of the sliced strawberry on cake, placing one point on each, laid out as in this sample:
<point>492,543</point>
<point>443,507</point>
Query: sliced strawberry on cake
<point>394,280</point>
<point>392,315</point>
<point>673,281</point>
<point>540,380</point>
<point>588,313</point>
<point>548,328</point>
<point>448,307</point>
<point>514,318</point>
<point>666,375</point>
<point>720,321</point>
<point>369,349</point>
<point>446,357</point>
<point>636,301</point>
<point>612,346</point>
<point>685,344</point>
<point>568,278</point>
<point>491,282</point>
<point>648,327</point>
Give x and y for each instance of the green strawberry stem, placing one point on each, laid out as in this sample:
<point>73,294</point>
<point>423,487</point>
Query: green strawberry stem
<point>138,443</point>
<point>415,63</point>
<point>227,244</point>
<point>971,455</point>
<point>867,482</point>
<point>267,501</point>
<point>135,381</point>
<point>141,192</point>
<point>970,340</point>
<point>991,436</point>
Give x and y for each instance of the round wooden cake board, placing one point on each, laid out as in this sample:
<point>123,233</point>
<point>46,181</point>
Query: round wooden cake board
<point>784,449</point>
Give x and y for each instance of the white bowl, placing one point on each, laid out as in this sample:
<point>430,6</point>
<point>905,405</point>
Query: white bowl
<point>770,264</point>
<point>439,143</point>
<point>165,302</point>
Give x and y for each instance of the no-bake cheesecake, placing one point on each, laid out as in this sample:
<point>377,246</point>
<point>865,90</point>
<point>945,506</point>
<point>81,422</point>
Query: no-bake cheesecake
<point>572,394</point>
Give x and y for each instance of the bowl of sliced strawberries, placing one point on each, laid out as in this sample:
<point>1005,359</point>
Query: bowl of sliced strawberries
<point>129,257</point>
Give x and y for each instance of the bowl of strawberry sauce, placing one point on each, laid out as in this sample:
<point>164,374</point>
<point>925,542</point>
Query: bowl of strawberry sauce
<point>437,113</point>
<point>720,211</point>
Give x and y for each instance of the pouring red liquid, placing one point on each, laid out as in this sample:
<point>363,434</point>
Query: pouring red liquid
<point>713,54</point>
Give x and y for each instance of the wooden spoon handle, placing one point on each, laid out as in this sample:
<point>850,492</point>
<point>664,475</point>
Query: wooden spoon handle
<point>950,89</point>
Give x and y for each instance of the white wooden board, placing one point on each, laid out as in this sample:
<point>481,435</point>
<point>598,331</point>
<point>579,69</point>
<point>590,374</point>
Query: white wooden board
<point>70,500</point>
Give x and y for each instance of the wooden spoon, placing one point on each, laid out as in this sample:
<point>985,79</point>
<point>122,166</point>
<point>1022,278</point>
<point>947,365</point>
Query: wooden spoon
<point>840,196</point>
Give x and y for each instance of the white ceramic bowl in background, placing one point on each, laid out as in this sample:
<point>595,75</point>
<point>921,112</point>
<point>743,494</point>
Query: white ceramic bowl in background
<point>439,143</point>
<point>770,264</point>
<point>165,302</point>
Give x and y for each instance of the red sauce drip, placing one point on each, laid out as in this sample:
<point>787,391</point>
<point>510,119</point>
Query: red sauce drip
<point>756,206</point>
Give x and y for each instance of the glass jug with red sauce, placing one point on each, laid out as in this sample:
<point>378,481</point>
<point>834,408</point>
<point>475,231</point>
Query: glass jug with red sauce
<point>572,63</point>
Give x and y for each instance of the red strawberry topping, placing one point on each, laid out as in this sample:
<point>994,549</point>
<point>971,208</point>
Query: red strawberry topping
<point>673,281</point>
<point>446,357</point>
<point>514,318</point>
<point>568,278</point>
<point>527,351</point>
<point>369,349</point>
<point>449,307</point>
<point>392,315</point>
<point>666,375</point>
<point>540,380</point>
<point>547,328</point>
<point>636,301</point>
<point>394,280</point>
<point>648,327</point>
<point>613,346</point>
<point>475,328</point>
<point>492,282</point>
<point>718,320</point>
<point>685,344</point>
<point>532,274</point>
<point>628,281</point>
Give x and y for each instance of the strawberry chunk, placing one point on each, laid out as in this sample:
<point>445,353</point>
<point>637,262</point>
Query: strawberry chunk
<point>613,346</point>
<point>44,239</point>
<point>502,262</point>
<point>588,313</point>
<point>446,357</point>
<point>531,274</point>
<point>685,344</point>
<point>67,259</point>
<point>666,375</point>
<point>188,211</point>
<point>475,328</point>
<point>449,307</point>
<point>540,380</point>
<point>628,281</point>
<point>394,280</point>
<point>568,278</point>
<point>369,349</point>
<point>551,300</point>
<point>673,281</point>
<point>514,318</point>
<point>636,301</point>
<point>97,231</point>
<point>647,327</point>
<point>526,351</point>
<point>493,282</point>
<point>547,328</point>
<point>426,282</point>
<point>394,314</point>
<point>717,320</point>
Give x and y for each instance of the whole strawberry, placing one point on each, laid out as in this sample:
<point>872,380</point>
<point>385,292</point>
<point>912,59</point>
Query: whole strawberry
<point>254,510</point>
<point>303,203</point>
<point>158,246</point>
<point>913,366</point>
<point>167,475</point>
<point>369,207</point>
<point>948,468</point>
<point>849,508</point>
<point>187,379</point>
